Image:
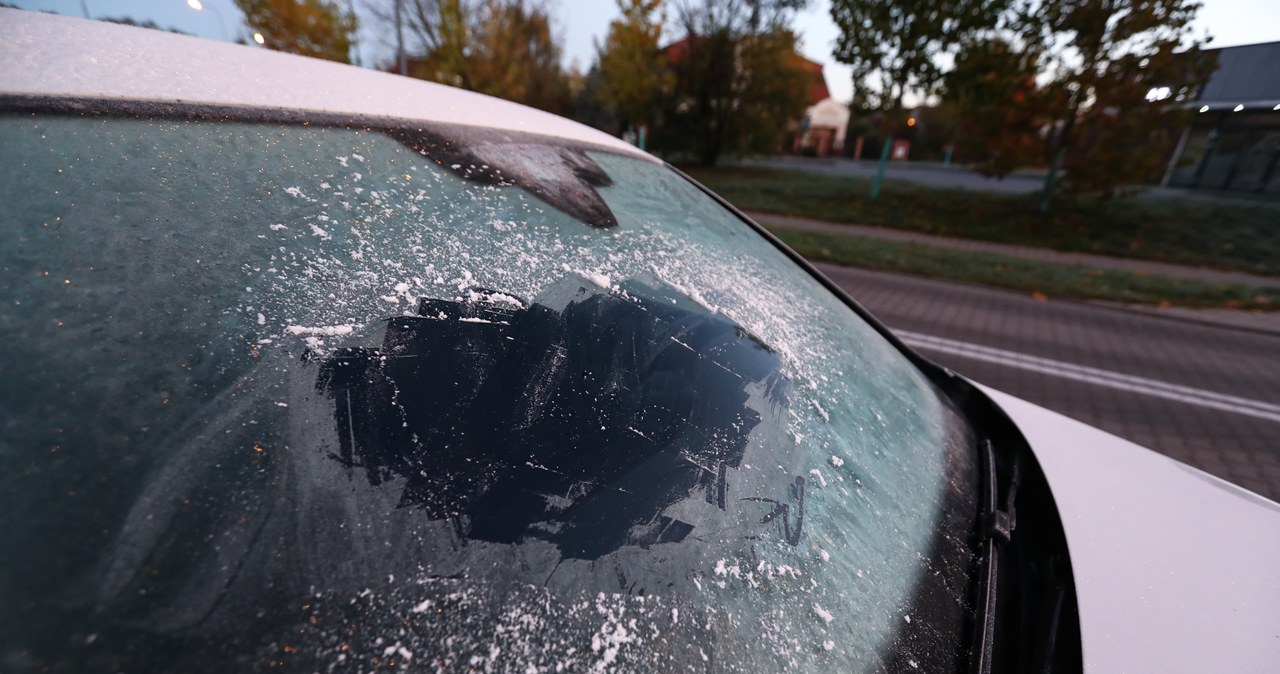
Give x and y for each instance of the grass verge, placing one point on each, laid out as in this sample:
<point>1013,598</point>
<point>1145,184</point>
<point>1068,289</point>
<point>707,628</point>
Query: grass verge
<point>1038,278</point>
<point>1237,237</point>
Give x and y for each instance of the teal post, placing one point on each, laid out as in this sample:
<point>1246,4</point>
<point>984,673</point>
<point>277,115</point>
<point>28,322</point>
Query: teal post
<point>1049,179</point>
<point>643,132</point>
<point>884,161</point>
<point>946,161</point>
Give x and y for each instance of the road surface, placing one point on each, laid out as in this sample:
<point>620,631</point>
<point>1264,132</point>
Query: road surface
<point>1203,394</point>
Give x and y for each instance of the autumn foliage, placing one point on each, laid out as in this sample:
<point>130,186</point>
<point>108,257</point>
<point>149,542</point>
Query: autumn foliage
<point>316,28</point>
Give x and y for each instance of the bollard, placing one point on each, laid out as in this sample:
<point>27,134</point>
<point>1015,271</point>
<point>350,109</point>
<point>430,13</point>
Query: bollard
<point>884,160</point>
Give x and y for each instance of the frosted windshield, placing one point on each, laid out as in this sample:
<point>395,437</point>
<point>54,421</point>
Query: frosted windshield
<point>309,395</point>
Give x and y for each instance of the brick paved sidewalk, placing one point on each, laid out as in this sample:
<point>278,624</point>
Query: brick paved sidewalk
<point>1252,320</point>
<point>1236,447</point>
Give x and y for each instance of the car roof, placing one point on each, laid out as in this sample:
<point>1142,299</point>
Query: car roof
<point>55,56</point>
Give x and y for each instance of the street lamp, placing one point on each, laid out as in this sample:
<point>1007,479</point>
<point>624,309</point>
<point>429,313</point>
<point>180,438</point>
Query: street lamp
<point>400,58</point>
<point>199,7</point>
<point>257,37</point>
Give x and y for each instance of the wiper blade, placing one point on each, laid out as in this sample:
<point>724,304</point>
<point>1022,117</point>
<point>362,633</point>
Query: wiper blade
<point>996,525</point>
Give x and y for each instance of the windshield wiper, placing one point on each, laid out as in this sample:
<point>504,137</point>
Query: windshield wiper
<point>995,529</point>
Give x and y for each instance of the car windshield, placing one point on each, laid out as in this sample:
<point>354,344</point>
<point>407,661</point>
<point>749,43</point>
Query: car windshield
<point>321,396</point>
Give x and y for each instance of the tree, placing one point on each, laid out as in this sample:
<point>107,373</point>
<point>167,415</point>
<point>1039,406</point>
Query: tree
<point>993,90</point>
<point>774,90</point>
<point>764,16</point>
<point>588,107</point>
<point>736,86</point>
<point>895,42</point>
<point>1105,57</point>
<point>698,111</point>
<point>443,32</point>
<point>633,70</point>
<point>505,48</point>
<point>130,21</point>
<point>515,56</point>
<point>436,36</point>
<point>318,28</point>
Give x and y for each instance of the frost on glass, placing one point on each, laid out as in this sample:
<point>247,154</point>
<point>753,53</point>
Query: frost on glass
<point>278,395</point>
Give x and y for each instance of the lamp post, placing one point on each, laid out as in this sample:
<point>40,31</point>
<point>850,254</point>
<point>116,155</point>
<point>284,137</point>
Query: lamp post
<point>198,6</point>
<point>400,59</point>
<point>355,37</point>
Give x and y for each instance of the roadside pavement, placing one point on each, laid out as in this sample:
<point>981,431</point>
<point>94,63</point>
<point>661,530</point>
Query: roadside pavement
<point>934,175</point>
<point>957,176</point>
<point>1252,320</point>
<point>1203,394</point>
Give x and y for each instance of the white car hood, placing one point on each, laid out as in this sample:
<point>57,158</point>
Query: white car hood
<point>1175,570</point>
<point>44,55</point>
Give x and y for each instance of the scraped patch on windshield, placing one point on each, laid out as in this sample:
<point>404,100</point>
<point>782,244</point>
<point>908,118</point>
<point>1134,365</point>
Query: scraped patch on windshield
<point>579,419</point>
<point>654,446</point>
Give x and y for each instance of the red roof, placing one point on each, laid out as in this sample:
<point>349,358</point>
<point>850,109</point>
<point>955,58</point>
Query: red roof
<point>818,90</point>
<point>677,50</point>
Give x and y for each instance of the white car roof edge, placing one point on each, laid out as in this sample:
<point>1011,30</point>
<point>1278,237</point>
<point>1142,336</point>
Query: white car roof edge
<point>48,56</point>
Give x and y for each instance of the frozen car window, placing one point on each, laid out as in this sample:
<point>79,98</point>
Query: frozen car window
<point>316,397</point>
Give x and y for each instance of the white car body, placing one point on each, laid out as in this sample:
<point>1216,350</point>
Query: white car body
<point>1175,570</point>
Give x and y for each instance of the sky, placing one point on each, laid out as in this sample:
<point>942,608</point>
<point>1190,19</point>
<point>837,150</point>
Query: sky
<point>583,23</point>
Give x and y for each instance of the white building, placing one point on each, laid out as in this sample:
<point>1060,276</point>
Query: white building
<point>823,127</point>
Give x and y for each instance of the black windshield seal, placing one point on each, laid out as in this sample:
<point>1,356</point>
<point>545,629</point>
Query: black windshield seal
<point>556,170</point>
<point>208,112</point>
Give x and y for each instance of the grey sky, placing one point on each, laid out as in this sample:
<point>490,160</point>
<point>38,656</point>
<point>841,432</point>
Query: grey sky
<point>582,22</point>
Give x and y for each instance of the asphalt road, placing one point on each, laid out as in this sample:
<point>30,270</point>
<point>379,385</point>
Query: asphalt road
<point>1203,394</point>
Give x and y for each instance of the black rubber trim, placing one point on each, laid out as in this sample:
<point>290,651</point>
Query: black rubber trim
<point>207,112</point>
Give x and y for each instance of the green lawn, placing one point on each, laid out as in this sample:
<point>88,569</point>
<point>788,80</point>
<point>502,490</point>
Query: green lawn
<point>1240,237</point>
<point>1050,280</point>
